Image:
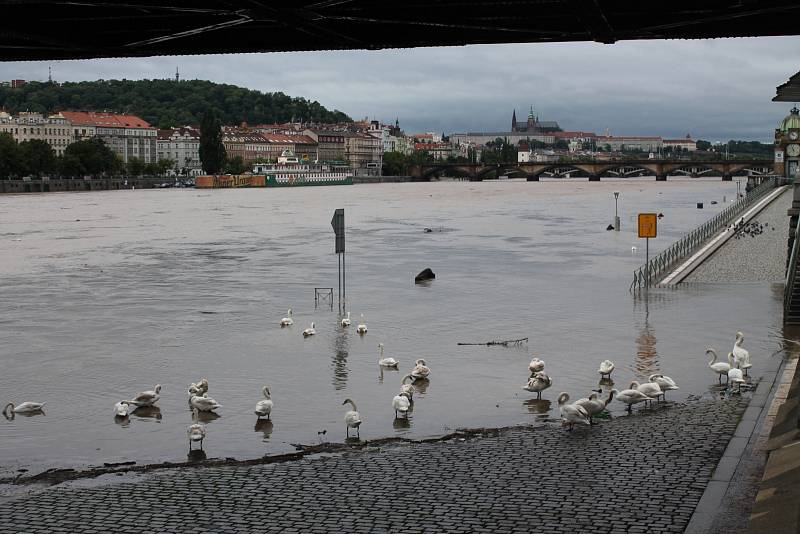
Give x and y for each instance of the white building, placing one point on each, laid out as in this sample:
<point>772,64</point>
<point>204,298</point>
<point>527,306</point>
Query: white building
<point>54,130</point>
<point>127,135</point>
<point>181,145</point>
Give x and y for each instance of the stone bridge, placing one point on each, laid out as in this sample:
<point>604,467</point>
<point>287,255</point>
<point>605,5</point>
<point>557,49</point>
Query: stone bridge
<point>596,169</point>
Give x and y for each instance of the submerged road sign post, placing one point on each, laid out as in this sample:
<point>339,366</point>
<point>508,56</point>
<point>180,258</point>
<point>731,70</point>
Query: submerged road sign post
<point>338,228</point>
<point>648,223</point>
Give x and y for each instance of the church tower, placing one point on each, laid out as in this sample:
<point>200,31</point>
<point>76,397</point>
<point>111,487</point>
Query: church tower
<point>514,121</point>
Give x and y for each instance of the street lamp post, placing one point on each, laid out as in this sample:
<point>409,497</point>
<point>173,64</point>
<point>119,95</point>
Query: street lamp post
<point>616,211</point>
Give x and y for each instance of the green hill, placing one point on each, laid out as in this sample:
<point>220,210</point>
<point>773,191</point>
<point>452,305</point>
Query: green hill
<point>166,103</point>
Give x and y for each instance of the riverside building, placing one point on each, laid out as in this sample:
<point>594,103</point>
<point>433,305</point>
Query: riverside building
<point>55,130</point>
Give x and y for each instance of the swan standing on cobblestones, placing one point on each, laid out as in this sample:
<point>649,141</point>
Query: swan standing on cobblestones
<point>386,362</point>
<point>571,413</point>
<point>735,376</point>
<point>264,407</point>
<point>287,321</point>
<point>196,431</point>
<point>147,398</point>
<point>538,383</point>
<point>651,389</point>
<point>740,355</point>
<point>721,368</point>
<point>665,383</point>
<point>606,367</point>
<point>630,397</point>
<point>594,404</point>
<point>536,365</point>
<point>352,418</point>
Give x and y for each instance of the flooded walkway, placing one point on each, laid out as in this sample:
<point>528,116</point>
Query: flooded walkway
<point>642,473</point>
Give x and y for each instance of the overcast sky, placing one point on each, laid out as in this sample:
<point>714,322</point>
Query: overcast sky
<point>715,89</point>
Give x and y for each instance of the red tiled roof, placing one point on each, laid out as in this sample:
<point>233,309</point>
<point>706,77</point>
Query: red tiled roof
<point>112,120</point>
<point>184,131</point>
<point>569,135</point>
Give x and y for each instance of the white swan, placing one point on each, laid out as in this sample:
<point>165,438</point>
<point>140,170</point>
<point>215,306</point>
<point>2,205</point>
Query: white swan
<point>309,331</point>
<point>571,413</point>
<point>735,376</point>
<point>264,407</point>
<point>352,418</point>
<point>651,389</point>
<point>538,383</point>
<point>401,403</point>
<point>721,368</point>
<point>594,404</point>
<point>346,320</point>
<point>606,367</point>
<point>421,370</point>
<point>199,388</point>
<point>147,398</point>
<point>536,365</point>
<point>630,397</point>
<point>25,407</point>
<point>196,431</point>
<point>287,321</point>
<point>409,388</point>
<point>122,408</point>
<point>741,357</point>
<point>204,403</point>
<point>664,382</point>
<point>361,328</point>
<point>386,362</point>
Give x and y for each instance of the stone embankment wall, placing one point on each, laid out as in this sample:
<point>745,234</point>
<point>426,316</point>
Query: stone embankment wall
<point>94,184</point>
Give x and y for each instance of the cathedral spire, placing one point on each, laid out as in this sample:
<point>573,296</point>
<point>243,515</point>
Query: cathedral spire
<point>514,121</point>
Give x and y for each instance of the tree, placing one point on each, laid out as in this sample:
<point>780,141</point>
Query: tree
<point>37,157</point>
<point>164,165</point>
<point>703,145</point>
<point>561,144</point>
<point>90,156</point>
<point>235,165</point>
<point>11,163</point>
<point>212,151</point>
<point>135,167</point>
<point>394,164</point>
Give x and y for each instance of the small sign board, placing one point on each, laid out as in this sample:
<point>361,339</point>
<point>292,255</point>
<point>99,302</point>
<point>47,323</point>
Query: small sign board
<point>779,156</point>
<point>647,224</point>
<point>338,228</point>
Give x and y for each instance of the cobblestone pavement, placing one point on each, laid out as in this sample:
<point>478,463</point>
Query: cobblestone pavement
<point>643,473</point>
<point>752,259</point>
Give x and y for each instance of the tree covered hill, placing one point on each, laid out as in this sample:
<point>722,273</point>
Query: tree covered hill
<point>166,103</point>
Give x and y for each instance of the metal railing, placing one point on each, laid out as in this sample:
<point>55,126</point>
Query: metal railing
<point>790,276</point>
<point>653,271</point>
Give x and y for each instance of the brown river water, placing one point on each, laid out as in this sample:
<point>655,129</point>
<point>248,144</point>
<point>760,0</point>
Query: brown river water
<point>105,294</point>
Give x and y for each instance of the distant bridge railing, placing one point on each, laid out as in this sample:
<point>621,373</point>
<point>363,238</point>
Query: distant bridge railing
<point>653,271</point>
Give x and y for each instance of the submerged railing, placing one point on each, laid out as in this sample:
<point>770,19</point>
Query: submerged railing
<point>653,271</point>
<point>790,276</point>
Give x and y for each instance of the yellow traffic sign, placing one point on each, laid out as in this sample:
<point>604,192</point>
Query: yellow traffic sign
<point>647,224</point>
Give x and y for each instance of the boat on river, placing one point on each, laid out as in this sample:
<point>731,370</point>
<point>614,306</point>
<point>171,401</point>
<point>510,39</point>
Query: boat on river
<point>289,171</point>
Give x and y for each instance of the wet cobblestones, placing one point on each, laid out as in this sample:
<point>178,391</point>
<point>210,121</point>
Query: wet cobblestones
<point>643,473</point>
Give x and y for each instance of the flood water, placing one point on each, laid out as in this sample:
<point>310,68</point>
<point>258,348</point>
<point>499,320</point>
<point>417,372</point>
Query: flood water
<point>105,294</point>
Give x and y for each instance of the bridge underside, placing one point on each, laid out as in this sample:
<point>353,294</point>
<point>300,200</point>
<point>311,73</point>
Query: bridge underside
<point>65,29</point>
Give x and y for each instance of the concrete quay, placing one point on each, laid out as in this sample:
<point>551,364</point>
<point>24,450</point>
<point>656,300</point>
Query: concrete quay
<point>92,184</point>
<point>640,473</point>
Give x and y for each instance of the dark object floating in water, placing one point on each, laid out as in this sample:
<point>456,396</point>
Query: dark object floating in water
<point>504,343</point>
<point>427,274</point>
<point>699,205</point>
<point>713,202</point>
<point>610,227</point>
<point>660,215</point>
<point>428,230</point>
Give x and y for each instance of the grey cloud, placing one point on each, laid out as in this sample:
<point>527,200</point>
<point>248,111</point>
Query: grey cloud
<point>715,89</point>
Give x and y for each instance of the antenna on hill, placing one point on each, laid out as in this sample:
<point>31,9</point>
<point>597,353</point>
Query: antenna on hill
<point>177,75</point>
<point>49,75</point>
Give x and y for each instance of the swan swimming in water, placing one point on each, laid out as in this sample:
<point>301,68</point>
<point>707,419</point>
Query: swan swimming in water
<point>204,403</point>
<point>536,365</point>
<point>200,388</point>
<point>630,397</point>
<point>386,362</point>
<point>571,413</point>
<point>196,431</point>
<point>664,382</point>
<point>352,419</point>
<point>606,367</point>
<point>421,370</point>
<point>362,327</point>
<point>538,383</point>
<point>309,331</point>
<point>287,321</point>
<point>25,407</point>
<point>721,368</point>
<point>401,403</point>
<point>741,357</point>
<point>264,407</point>
<point>147,398</point>
<point>122,408</point>
<point>346,320</point>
